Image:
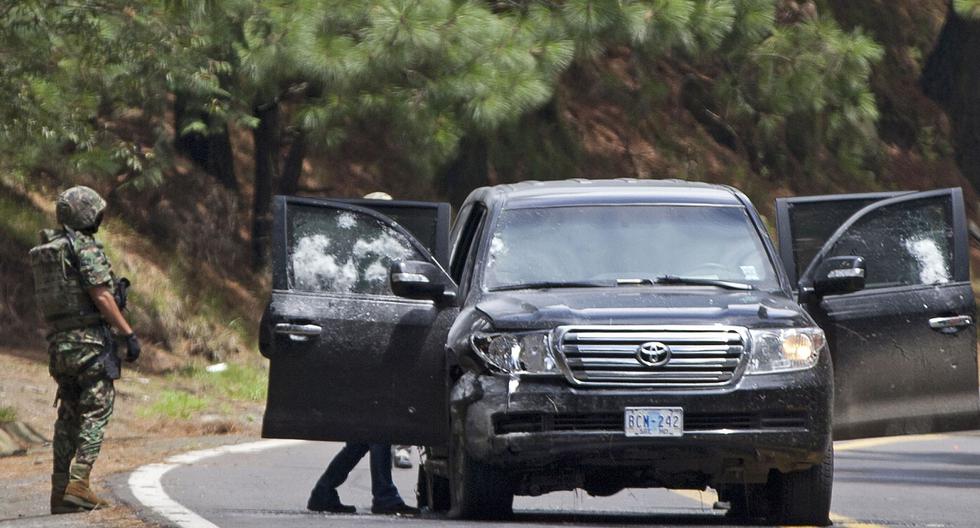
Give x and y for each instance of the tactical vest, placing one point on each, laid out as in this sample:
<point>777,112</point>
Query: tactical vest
<point>61,300</point>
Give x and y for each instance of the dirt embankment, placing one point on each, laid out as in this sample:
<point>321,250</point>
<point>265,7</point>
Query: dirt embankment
<point>139,432</point>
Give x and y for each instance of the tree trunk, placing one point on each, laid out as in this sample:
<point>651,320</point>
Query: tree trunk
<point>951,77</point>
<point>292,169</point>
<point>469,170</point>
<point>267,146</point>
<point>212,152</point>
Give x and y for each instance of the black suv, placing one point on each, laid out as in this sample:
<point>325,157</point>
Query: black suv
<point>611,334</point>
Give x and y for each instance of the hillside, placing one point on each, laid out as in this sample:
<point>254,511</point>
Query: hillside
<point>185,238</point>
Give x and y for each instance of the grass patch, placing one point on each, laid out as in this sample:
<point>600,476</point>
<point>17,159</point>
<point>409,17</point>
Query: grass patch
<point>7,414</point>
<point>175,404</point>
<point>21,221</point>
<point>238,382</point>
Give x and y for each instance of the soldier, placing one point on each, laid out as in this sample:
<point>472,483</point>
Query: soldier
<point>80,299</point>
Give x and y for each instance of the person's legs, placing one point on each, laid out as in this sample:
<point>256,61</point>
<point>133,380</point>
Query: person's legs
<point>64,445</point>
<point>65,441</point>
<point>324,496</point>
<point>383,490</point>
<point>95,405</point>
<point>386,499</point>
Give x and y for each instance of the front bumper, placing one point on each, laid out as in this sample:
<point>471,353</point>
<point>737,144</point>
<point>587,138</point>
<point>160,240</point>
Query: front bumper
<point>738,433</point>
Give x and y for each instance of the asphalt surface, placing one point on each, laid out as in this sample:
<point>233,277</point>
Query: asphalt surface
<point>929,481</point>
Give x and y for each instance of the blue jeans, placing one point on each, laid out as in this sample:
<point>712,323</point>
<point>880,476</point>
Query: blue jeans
<point>383,490</point>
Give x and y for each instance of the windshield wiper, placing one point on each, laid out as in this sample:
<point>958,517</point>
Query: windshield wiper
<point>730,285</point>
<point>554,284</point>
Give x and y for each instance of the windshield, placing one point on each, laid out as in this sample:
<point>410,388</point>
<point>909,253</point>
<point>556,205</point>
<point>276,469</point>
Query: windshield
<point>556,245</point>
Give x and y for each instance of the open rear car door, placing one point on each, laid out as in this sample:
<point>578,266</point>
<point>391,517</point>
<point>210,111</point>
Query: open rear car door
<point>350,360</point>
<point>903,347</point>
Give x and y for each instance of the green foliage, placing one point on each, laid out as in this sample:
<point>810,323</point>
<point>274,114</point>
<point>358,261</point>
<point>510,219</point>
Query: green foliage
<point>237,382</point>
<point>806,85</point>
<point>21,222</point>
<point>968,8</point>
<point>414,75</point>
<point>7,414</point>
<point>69,68</point>
<point>175,404</point>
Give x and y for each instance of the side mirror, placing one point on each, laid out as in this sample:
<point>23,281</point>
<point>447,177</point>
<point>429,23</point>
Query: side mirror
<point>415,279</point>
<point>838,275</point>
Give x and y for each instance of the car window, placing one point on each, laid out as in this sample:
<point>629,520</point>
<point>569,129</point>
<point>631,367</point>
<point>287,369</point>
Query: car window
<point>334,250</point>
<point>462,219</point>
<point>466,239</point>
<point>569,244</point>
<point>907,243</point>
<point>812,224</point>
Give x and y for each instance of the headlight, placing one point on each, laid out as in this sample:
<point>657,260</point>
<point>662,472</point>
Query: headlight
<point>780,350</point>
<point>516,353</point>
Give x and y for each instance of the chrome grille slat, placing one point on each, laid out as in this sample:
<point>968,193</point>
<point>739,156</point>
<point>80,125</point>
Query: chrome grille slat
<point>714,375</point>
<point>631,363</point>
<point>677,337</point>
<point>680,349</point>
<point>708,356</point>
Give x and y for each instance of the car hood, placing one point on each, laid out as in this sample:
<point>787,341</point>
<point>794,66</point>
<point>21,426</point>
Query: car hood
<point>655,305</point>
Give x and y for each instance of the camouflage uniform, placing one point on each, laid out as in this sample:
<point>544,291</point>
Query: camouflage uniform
<point>66,265</point>
<point>85,390</point>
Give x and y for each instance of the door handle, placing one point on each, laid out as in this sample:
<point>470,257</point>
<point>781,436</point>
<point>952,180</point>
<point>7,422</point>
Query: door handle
<point>950,325</point>
<point>298,332</point>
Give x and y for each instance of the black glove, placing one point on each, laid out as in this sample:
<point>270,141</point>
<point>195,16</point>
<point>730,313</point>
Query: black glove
<point>133,348</point>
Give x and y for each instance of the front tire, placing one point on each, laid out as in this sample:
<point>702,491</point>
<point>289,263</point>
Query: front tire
<point>479,491</point>
<point>803,497</point>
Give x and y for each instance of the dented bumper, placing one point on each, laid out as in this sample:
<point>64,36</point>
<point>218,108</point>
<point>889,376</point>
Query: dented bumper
<point>776,421</point>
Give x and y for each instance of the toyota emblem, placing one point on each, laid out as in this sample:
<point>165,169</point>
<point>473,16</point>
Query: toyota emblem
<point>653,354</point>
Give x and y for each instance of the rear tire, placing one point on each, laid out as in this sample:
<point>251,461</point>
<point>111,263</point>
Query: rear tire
<point>432,491</point>
<point>803,497</point>
<point>746,501</point>
<point>479,491</point>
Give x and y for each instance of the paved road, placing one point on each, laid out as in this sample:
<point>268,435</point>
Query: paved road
<point>931,481</point>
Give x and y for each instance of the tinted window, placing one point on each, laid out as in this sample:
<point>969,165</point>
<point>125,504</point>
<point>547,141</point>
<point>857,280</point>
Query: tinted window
<point>421,222</point>
<point>465,241</point>
<point>569,244</point>
<point>813,224</point>
<point>339,251</point>
<point>906,243</point>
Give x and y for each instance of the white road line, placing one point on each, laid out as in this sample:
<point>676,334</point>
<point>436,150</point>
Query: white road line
<point>145,482</point>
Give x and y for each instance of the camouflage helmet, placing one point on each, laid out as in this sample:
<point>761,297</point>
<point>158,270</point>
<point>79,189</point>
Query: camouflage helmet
<point>80,208</point>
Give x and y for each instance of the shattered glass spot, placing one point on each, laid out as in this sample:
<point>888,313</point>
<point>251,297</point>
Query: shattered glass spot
<point>346,221</point>
<point>315,269</point>
<point>933,268</point>
<point>903,243</point>
<point>337,251</point>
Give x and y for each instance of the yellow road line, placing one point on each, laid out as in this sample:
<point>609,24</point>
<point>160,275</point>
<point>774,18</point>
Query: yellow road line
<point>847,522</point>
<point>864,443</point>
<point>707,498</point>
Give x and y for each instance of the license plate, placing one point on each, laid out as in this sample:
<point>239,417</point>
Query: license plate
<point>654,421</point>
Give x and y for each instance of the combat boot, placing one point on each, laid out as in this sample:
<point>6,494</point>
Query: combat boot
<point>59,481</point>
<point>78,491</point>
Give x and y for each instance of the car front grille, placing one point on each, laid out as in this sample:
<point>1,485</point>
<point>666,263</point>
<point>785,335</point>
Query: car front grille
<point>608,355</point>
<point>535,422</point>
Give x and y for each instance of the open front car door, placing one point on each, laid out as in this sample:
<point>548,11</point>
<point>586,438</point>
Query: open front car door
<point>887,277</point>
<point>350,360</point>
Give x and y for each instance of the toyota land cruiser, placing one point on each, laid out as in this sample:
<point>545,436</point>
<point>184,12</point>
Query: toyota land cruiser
<point>625,333</point>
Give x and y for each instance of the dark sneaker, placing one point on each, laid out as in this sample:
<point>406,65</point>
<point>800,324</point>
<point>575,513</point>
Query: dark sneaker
<point>395,509</point>
<point>323,506</point>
